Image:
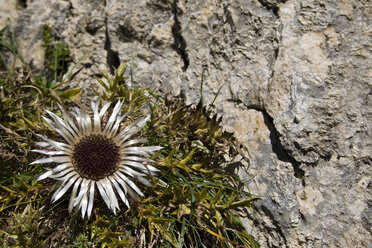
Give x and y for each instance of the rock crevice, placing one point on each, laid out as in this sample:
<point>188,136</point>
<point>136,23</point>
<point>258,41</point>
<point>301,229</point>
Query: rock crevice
<point>113,60</point>
<point>179,43</point>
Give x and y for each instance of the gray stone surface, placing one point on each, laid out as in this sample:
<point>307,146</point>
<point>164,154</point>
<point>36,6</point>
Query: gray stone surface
<point>8,11</point>
<point>296,81</point>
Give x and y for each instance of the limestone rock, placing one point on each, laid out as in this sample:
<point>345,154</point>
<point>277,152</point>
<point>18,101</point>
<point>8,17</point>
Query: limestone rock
<point>295,79</point>
<point>8,11</point>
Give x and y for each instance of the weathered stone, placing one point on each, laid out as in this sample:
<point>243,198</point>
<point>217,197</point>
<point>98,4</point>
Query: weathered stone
<point>295,79</point>
<point>8,11</point>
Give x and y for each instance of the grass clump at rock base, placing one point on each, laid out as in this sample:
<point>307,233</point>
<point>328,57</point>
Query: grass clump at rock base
<point>194,201</point>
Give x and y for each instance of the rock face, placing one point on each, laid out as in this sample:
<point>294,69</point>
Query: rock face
<point>295,79</point>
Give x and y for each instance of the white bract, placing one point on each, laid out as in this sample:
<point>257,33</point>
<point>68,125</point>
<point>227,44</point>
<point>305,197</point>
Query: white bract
<point>96,155</point>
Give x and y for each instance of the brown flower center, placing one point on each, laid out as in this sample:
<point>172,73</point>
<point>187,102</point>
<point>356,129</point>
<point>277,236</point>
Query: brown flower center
<point>96,156</point>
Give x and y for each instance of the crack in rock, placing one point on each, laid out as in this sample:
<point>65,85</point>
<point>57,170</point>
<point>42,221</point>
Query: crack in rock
<point>281,153</point>
<point>113,60</point>
<point>272,5</point>
<point>179,41</point>
<point>275,222</point>
<point>277,147</point>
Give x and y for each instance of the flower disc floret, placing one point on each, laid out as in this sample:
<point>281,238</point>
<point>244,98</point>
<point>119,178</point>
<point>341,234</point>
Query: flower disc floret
<point>96,157</point>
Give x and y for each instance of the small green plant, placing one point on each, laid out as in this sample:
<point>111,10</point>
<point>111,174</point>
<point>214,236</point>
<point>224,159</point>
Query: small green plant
<point>22,99</point>
<point>24,229</point>
<point>194,201</point>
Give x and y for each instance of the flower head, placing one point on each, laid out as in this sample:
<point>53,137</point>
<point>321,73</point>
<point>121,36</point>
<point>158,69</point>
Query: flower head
<point>96,155</point>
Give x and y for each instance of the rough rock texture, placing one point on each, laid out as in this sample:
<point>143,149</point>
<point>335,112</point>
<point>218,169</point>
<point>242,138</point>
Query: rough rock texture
<point>296,80</point>
<point>8,11</point>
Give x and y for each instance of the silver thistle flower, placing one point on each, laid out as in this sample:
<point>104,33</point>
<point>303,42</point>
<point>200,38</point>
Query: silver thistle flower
<point>96,155</point>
